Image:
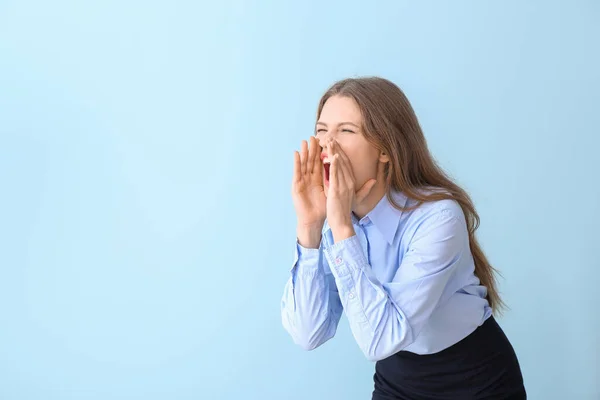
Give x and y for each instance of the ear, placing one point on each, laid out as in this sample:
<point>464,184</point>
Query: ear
<point>383,157</point>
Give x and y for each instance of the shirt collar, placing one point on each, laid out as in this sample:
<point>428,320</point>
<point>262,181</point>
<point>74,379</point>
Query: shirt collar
<point>385,217</point>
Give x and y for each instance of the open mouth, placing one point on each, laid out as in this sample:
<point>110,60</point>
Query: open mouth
<point>326,167</point>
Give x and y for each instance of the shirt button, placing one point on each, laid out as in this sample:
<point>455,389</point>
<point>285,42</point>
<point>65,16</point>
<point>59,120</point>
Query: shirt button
<point>351,295</point>
<point>338,260</point>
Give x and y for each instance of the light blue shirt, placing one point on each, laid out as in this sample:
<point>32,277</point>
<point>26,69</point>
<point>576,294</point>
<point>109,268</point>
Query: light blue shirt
<point>405,281</point>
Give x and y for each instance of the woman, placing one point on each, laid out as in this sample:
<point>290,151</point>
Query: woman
<point>384,235</point>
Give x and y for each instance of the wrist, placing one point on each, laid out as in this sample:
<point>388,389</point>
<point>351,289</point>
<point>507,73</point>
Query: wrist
<point>309,236</point>
<point>342,232</point>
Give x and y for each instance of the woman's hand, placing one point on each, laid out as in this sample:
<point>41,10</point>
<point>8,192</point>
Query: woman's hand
<point>308,193</point>
<point>342,195</point>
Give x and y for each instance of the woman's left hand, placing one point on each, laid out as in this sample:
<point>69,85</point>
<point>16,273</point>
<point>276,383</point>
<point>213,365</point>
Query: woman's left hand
<point>342,195</point>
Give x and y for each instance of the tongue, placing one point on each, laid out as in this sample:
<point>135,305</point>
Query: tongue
<point>326,166</point>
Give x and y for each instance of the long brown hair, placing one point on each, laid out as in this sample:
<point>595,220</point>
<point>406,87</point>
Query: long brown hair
<point>391,125</point>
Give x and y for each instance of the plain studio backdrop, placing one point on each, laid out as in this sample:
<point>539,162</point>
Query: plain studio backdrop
<point>146,147</point>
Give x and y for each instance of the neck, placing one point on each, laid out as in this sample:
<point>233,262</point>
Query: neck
<point>364,207</point>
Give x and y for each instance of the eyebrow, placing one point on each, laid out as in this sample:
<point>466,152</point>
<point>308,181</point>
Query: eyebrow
<point>341,123</point>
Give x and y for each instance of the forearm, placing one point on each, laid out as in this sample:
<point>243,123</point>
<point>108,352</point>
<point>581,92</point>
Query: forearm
<point>377,323</point>
<point>309,310</point>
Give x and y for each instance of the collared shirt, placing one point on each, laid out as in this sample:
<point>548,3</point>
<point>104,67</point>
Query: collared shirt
<point>405,281</point>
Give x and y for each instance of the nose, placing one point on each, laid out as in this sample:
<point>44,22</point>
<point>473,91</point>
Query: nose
<point>323,138</point>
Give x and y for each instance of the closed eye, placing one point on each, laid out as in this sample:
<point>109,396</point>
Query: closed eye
<point>348,130</point>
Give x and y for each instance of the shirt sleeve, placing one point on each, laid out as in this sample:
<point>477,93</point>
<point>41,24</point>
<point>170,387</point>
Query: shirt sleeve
<point>310,306</point>
<point>386,318</point>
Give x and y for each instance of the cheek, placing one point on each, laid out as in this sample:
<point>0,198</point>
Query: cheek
<point>360,166</point>
<point>364,167</point>
<point>363,159</point>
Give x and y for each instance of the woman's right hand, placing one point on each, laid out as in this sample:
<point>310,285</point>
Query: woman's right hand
<point>308,193</point>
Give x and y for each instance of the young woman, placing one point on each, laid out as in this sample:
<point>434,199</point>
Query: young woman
<point>385,236</point>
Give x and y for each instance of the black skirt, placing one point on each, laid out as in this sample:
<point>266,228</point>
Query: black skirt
<point>481,366</point>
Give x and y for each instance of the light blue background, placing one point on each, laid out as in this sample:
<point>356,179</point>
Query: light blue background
<point>146,227</point>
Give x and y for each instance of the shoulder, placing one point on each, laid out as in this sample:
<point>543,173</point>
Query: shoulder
<point>436,237</point>
<point>439,209</point>
<point>440,218</point>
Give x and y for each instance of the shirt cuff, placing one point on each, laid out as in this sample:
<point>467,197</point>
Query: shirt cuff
<point>346,256</point>
<point>306,261</point>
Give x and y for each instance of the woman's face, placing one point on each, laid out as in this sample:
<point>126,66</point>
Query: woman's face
<point>341,121</point>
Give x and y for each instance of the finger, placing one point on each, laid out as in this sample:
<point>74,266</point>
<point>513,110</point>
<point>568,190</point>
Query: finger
<point>364,191</point>
<point>318,166</point>
<point>348,177</point>
<point>342,179</point>
<point>303,156</point>
<point>333,175</point>
<point>312,154</point>
<point>345,161</point>
<point>297,168</point>
<point>343,176</point>
<point>344,166</point>
<point>317,173</point>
